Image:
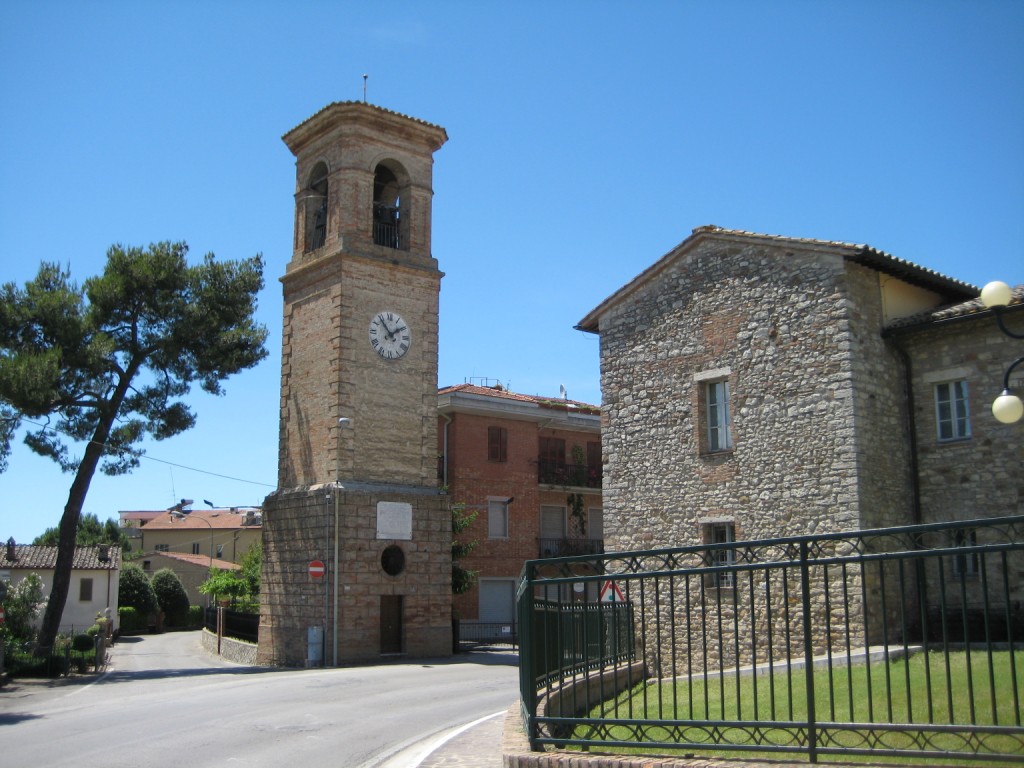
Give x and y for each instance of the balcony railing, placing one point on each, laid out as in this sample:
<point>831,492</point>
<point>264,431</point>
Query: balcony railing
<point>565,547</point>
<point>560,473</point>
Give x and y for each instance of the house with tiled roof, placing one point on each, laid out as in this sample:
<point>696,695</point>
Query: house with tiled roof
<point>95,579</point>
<point>757,386</point>
<point>219,533</point>
<point>192,570</point>
<point>529,468</point>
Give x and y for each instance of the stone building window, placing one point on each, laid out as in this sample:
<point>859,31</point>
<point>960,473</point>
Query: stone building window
<point>85,590</point>
<point>314,201</point>
<point>720,533</point>
<point>965,565</point>
<point>952,416</point>
<point>162,548</point>
<point>195,547</point>
<point>717,416</point>
<point>497,518</point>
<point>497,444</point>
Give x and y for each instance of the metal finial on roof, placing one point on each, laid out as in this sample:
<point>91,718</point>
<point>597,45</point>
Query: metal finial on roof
<point>364,88</point>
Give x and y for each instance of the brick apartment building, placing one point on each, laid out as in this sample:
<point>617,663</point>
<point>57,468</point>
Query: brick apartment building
<point>530,468</point>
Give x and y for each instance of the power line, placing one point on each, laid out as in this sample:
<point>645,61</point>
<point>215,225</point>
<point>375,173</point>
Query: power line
<point>163,461</point>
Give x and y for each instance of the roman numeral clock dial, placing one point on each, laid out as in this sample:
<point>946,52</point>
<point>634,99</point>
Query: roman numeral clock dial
<point>390,336</point>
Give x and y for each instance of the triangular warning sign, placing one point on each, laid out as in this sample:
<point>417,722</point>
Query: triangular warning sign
<point>610,592</point>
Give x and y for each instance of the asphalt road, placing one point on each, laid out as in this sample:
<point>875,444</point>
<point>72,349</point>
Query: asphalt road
<point>166,702</point>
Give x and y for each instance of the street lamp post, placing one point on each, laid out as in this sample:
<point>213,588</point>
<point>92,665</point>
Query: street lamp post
<point>1008,407</point>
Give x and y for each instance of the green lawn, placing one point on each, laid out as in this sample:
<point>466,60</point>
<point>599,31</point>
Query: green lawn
<point>875,693</point>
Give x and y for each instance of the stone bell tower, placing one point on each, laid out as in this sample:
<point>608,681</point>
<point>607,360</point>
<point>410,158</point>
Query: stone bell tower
<point>357,464</point>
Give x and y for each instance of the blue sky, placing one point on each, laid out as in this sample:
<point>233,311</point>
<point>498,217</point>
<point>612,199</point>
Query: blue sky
<point>586,139</point>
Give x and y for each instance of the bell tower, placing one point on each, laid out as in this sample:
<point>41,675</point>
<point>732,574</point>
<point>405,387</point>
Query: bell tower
<point>357,463</point>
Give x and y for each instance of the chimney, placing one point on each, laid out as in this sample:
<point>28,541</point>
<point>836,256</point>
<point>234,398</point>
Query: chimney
<point>10,550</point>
<point>104,553</point>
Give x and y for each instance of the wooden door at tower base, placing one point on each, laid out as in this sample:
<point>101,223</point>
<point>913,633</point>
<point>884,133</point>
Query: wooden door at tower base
<point>390,623</point>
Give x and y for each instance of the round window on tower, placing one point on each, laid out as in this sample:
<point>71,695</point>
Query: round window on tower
<point>392,560</point>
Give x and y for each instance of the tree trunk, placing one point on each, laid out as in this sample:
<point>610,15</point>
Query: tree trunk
<point>68,531</point>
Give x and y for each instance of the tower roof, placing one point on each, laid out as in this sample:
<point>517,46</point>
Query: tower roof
<point>341,113</point>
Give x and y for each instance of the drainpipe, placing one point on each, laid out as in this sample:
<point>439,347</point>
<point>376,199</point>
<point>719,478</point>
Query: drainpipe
<point>915,479</point>
<point>444,449</point>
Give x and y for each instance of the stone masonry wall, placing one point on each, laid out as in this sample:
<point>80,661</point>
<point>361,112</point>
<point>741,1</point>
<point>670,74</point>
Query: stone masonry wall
<point>980,476</point>
<point>298,527</point>
<point>784,326</point>
<point>771,322</point>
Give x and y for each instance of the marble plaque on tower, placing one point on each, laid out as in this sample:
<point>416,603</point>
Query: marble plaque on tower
<point>394,520</point>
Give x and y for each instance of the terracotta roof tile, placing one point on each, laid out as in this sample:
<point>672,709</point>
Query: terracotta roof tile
<point>202,520</point>
<point>203,560</point>
<point>500,392</point>
<point>30,556</point>
<point>956,311</point>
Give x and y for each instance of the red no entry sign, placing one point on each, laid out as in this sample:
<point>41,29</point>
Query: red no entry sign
<point>316,569</point>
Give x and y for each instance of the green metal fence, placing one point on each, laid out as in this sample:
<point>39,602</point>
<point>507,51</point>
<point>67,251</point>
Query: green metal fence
<point>903,641</point>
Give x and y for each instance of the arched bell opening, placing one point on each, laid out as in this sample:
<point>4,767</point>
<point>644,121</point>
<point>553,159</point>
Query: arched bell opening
<point>314,200</point>
<point>390,214</point>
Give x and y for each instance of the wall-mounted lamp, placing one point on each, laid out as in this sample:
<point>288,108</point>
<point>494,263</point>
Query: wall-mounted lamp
<point>1008,407</point>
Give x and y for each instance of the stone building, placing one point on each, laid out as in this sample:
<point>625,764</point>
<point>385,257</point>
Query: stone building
<point>529,468</point>
<point>759,386</point>
<point>357,477</point>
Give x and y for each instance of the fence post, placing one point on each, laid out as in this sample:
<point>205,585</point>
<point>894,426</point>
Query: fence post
<point>527,674</point>
<point>805,588</point>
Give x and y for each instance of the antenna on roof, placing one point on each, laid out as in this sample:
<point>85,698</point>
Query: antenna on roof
<point>562,393</point>
<point>364,88</point>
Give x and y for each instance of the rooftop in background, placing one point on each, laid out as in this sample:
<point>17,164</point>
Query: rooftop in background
<point>498,400</point>
<point>204,561</point>
<point>232,517</point>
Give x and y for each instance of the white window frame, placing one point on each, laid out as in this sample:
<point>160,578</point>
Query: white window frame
<point>952,411</point>
<point>721,532</point>
<point>717,413</point>
<point>497,518</point>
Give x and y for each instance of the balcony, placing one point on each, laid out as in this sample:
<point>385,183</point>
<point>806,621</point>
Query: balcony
<point>566,547</point>
<point>568,475</point>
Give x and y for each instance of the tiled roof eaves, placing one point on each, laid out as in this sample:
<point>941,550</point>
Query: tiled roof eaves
<point>504,394</point>
<point>964,310</point>
<point>857,253</point>
<point>36,557</point>
<point>913,273</point>
<point>335,105</point>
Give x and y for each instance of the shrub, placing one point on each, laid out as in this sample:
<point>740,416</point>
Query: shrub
<point>23,605</point>
<point>196,617</point>
<point>136,591</point>
<point>131,619</point>
<point>171,596</point>
<point>94,630</point>
<point>82,642</point>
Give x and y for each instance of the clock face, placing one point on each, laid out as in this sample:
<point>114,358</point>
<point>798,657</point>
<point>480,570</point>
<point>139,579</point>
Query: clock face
<point>390,335</point>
